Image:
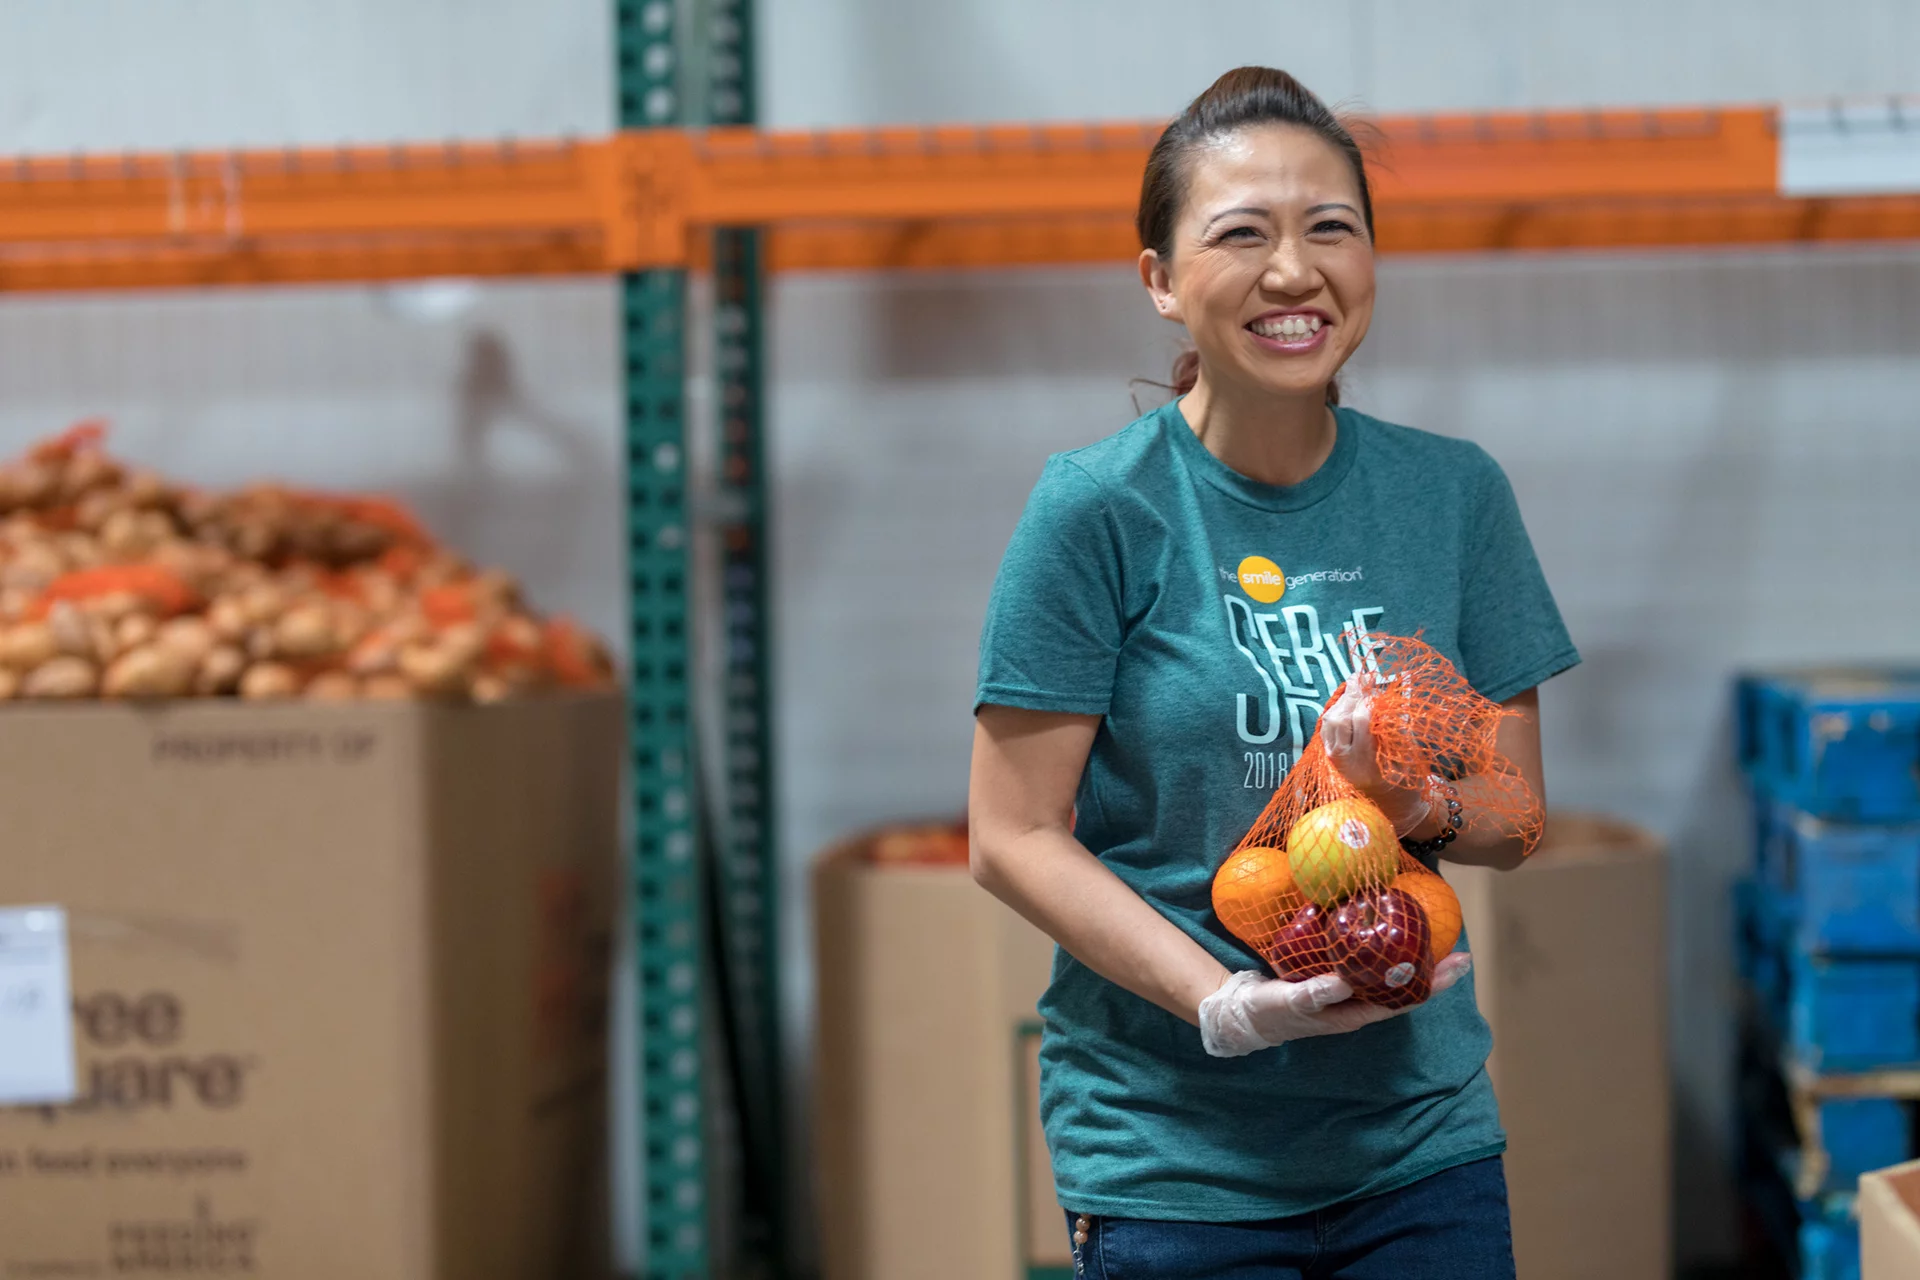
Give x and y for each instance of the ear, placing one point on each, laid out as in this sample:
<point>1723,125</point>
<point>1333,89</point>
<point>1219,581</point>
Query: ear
<point>1159,282</point>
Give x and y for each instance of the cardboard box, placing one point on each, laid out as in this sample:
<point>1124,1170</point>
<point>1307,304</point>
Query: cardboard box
<point>931,1162</point>
<point>1570,967</point>
<point>339,985</point>
<point>930,1159</point>
<point>1890,1223</point>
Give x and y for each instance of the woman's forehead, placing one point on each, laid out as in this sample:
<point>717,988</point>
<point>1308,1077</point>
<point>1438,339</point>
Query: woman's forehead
<point>1277,163</point>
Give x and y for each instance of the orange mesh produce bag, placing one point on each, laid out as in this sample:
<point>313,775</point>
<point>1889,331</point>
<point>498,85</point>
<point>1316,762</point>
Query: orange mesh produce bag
<point>1321,883</point>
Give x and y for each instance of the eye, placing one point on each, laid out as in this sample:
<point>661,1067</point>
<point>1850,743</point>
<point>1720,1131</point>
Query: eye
<point>1332,226</point>
<point>1242,234</point>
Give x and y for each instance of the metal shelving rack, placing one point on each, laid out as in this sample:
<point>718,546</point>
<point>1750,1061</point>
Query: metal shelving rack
<point>688,183</point>
<point>876,199</point>
<point>704,78</point>
<point>748,868</point>
<point>666,885</point>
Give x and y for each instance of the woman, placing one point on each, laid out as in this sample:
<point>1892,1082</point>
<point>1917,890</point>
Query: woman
<point>1176,605</point>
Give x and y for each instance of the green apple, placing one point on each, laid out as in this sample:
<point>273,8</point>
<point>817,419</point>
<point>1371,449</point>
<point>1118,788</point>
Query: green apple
<point>1341,848</point>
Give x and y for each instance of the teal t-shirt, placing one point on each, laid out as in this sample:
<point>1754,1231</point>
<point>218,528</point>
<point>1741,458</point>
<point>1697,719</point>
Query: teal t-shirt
<point>1143,585</point>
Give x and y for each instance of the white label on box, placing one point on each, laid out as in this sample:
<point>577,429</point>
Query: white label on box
<point>36,1007</point>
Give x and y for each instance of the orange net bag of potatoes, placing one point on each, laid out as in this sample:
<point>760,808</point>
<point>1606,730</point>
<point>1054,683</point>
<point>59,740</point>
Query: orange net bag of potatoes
<point>1321,884</point>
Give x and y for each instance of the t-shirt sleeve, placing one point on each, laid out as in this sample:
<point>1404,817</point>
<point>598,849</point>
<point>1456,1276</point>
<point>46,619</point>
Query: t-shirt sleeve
<point>1056,617</point>
<point>1511,634</point>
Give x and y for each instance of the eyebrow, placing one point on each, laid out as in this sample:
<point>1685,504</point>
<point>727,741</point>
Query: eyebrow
<point>1231,213</point>
<point>1268,213</point>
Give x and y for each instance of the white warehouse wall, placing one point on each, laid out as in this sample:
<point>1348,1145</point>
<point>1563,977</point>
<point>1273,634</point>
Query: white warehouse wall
<point>855,62</point>
<point>1712,452</point>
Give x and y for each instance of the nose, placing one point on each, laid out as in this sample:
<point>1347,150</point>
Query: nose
<point>1290,268</point>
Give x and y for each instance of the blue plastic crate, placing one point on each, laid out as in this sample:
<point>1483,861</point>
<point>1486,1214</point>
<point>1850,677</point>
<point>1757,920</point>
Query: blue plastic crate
<point>1772,858</point>
<point>1861,1135</point>
<point>1819,1237</point>
<point>1751,944</point>
<point>1750,719</point>
<point>1829,1250</point>
<point>1819,1146</point>
<point>1841,744</point>
<point>1760,953</point>
<point>1852,1014</point>
<point>1841,889</point>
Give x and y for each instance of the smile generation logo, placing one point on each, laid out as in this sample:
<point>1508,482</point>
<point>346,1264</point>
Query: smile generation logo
<point>1261,579</point>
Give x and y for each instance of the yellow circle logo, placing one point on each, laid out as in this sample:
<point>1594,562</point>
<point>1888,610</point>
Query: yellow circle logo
<point>1261,578</point>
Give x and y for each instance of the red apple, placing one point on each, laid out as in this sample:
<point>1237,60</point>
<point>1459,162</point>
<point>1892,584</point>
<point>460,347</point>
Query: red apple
<point>1302,947</point>
<point>1381,944</point>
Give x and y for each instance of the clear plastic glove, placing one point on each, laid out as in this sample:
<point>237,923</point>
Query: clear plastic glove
<point>1254,1011</point>
<point>1346,730</point>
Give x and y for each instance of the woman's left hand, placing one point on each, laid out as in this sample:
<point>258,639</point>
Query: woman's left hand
<point>1254,1010</point>
<point>1346,730</point>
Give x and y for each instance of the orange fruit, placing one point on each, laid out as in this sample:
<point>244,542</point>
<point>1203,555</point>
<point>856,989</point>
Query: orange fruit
<point>1253,894</point>
<point>1436,898</point>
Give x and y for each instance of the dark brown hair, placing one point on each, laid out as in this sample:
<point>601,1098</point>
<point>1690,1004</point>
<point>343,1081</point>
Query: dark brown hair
<point>1243,98</point>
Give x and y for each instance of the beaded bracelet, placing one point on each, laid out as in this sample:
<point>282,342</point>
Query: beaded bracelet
<point>1448,834</point>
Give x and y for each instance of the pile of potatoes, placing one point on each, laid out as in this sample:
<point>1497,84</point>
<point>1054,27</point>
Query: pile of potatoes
<point>115,583</point>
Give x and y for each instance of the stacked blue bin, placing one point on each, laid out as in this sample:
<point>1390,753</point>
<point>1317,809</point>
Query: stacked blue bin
<point>1829,949</point>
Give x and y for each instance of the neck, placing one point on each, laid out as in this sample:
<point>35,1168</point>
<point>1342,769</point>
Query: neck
<point>1275,440</point>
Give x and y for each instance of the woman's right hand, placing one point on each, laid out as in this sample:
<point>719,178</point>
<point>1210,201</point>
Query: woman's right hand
<point>1252,1010</point>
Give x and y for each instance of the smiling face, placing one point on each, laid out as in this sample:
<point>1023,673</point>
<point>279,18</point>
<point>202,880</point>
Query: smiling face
<point>1271,267</point>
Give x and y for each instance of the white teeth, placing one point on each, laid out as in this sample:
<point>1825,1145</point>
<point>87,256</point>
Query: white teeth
<point>1289,327</point>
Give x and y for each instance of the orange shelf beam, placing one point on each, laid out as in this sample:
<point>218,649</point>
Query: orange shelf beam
<point>285,217</point>
<point>866,199</point>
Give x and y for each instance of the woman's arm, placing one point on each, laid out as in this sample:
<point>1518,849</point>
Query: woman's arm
<point>1026,770</point>
<point>1349,741</point>
<point>1518,739</point>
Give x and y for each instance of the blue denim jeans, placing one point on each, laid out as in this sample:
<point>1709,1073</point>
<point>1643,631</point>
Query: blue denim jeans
<point>1451,1226</point>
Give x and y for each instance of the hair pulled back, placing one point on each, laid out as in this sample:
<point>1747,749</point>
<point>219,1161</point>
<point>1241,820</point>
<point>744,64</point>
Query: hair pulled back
<point>1243,98</point>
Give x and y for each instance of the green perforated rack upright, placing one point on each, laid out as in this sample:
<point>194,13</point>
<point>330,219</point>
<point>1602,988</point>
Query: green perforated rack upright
<point>673,72</point>
<point>666,868</point>
<point>748,867</point>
